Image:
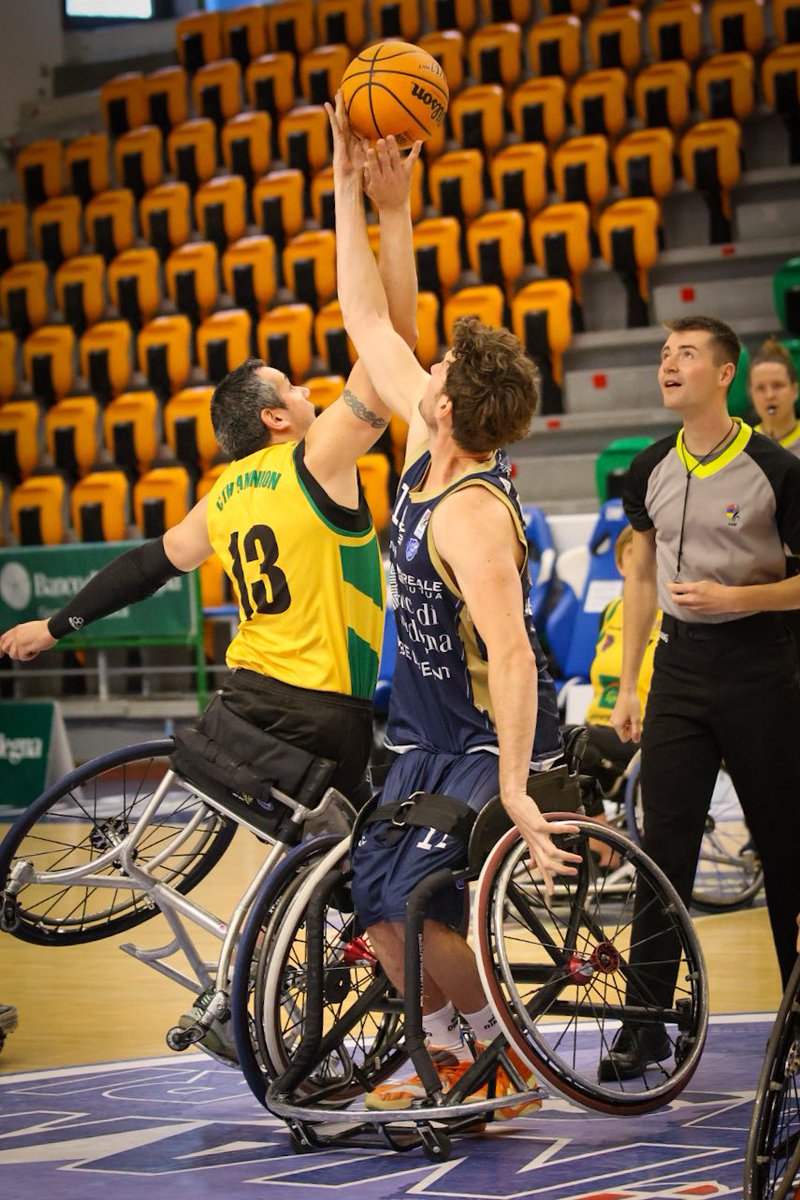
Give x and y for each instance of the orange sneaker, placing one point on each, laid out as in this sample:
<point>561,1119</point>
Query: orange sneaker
<point>503,1086</point>
<point>401,1093</point>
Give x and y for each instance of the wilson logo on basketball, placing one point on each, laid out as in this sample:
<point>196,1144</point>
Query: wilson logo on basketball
<point>438,109</point>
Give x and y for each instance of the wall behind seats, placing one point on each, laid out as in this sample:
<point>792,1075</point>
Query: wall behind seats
<point>32,45</point>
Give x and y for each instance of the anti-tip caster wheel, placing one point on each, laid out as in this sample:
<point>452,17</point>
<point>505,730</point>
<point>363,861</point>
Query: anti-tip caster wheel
<point>181,1039</point>
<point>435,1144</point>
<point>300,1141</point>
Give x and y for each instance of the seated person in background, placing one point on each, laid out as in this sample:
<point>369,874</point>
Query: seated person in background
<point>772,383</point>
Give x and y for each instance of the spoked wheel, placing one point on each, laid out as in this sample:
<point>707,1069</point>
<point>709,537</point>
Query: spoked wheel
<point>772,1162</point>
<point>71,836</point>
<point>556,968</point>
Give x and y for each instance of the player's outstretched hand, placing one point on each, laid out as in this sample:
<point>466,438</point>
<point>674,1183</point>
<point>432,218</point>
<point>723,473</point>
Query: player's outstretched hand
<point>388,173</point>
<point>348,151</point>
<point>25,641</point>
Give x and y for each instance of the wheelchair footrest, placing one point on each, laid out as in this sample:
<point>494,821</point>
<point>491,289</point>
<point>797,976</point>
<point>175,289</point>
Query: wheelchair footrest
<point>283,1106</point>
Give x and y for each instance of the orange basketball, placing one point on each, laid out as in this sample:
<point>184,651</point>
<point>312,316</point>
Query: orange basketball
<point>395,88</point>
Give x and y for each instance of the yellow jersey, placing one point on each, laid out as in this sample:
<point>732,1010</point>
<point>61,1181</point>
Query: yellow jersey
<point>607,665</point>
<point>306,572</point>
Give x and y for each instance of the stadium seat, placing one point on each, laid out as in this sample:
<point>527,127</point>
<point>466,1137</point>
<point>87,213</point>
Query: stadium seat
<point>487,302</point>
<point>555,7</point>
<point>109,222</point>
<point>554,46</point>
<point>56,228</point>
<point>309,266</point>
<point>20,422</point>
<point>23,296</point>
<point>105,351</point>
<point>395,19</point>
<point>13,234</point>
<point>48,362</point>
<point>780,84</point>
<point>561,239</point>
<point>629,238</point>
<point>188,428</point>
<point>332,343</point>
<point>643,162</point>
<point>321,198</point>
<point>123,103</point>
<point>269,84</point>
<point>39,167</point>
<point>191,278</point>
<point>710,154</point>
<point>304,138</point>
<point>290,26</point>
<point>436,244</point>
<point>278,205</point>
<point>164,353</point>
<point>541,560</point>
<point>674,31</point>
<point>321,71</point>
<point>519,180</point>
<point>455,184</point>
<point>284,339</point>
<point>434,144</point>
<point>428,328</point>
<point>537,109</point>
<point>477,118</point>
<point>786,21</point>
<point>134,285</point>
<point>541,319</point>
<point>219,207</point>
<point>598,102</point>
<point>495,53</point>
<point>340,22</point>
<point>216,90</point>
<point>373,470</point>
<point>71,434</point>
<point>80,290</point>
<point>248,273</point>
<point>164,216</point>
<point>198,39</point>
<point>166,94</point>
<point>223,342</point>
<point>162,497</point>
<point>615,39</point>
<point>37,509</point>
<point>8,364</point>
<point>246,141</point>
<point>447,47</point>
<point>786,293</point>
<point>661,95</point>
<point>495,246</point>
<point>461,15</point>
<point>192,151</point>
<point>131,430</point>
<point>86,162</point>
<point>580,169</point>
<point>99,505</point>
<point>724,86</point>
<point>138,159</point>
<point>244,35</point>
<point>323,390</point>
<point>737,25</point>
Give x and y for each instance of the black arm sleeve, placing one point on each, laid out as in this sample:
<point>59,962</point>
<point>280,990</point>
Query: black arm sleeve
<point>133,576</point>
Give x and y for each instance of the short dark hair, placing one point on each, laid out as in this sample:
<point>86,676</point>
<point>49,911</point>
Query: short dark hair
<point>725,342</point>
<point>771,351</point>
<point>493,386</point>
<point>236,408</point>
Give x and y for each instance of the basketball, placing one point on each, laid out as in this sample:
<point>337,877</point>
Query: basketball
<point>395,88</point>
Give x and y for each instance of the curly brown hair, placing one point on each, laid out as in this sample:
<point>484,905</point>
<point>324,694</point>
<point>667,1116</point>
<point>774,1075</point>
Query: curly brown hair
<point>493,386</point>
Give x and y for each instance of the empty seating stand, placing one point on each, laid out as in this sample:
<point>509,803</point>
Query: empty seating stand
<point>164,352</point>
<point>56,228</point>
<point>495,246</point>
<point>477,117</point>
<point>304,138</point>
<point>188,429</point>
<point>737,25</point>
<point>86,161</point>
<point>244,35</point>
<point>447,47</point>
<point>8,364</point>
<point>309,266</point>
<point>643,162</point>
<point>220,210</point>
<point>139,159</point>
<point>580,169</point>
<point>99,505</point>
<point>541,317</point>
<point>321,70</point>
<point>162,497</point>
<point>246,145</point>
<point>109,218</point>
<point>269,84</point>
<point>598,101</point>
<point>48,362</point>
<point>487,302</point>
<point>131,430</point>
<point>198,39</point>
<point>134,285</point>
<point>192,151</point>
<point>332,343</point>
<point>216,90</point>
<point>80,290</point>
<point>166,96</point>
<point>39,167</point>
<point>395,19</point>
<point>123,103</point>
<point>23,296</point>
<point>453,14</point>
<point>191,279</point>
<point>661,94</point>
<point>71,428</point>
<point>13,234</point>
<point>538,111</point>
<point>223,342</point>
<point>20,422</point>
<point>105,353</point>
<point>495,53</point>
<point>614,36</point>
<point>290,26</point>
<point>710,155</point>
<point>629,242</point>
<point>164,214</point>
<point>248,273</point>
<point>340,22</point>
<point>674,31</point>
<point>436,243</point>
<point>725,86</point>
<point>283,338</point>
<point>780,84</point>
<point>37,509</point>
<point>554,46</point>
<point>324,390</point>
<point>561,240</point>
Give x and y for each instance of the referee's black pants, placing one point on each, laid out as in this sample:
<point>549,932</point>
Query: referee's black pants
<point>725,691</point>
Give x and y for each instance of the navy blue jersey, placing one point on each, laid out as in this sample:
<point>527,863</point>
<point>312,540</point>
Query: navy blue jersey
<point>440,691</point>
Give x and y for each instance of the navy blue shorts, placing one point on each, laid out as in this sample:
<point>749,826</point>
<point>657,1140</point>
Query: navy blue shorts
<point>384,876</point>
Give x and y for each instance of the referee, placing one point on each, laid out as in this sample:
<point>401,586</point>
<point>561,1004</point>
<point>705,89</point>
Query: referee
<point>711,507</point>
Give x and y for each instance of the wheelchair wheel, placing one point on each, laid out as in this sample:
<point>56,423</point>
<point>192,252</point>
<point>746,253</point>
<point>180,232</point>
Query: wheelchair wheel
<point>71,831</point>
<point>772,1161</point>
<point>556,970</point>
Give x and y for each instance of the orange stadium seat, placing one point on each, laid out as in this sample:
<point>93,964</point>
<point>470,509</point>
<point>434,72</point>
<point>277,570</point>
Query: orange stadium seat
<point>561,238</point>
<point>495,53</point>
<point>191,279</point>
<point>495,246</point>
<point>165,91</point>
<point>429,336</point>
<point>710,154</point>
<point>537,109</point>
<point>278,205</point>
<point>216,90</point>
<point>244,35</point>
<point>8,364</point>
<point>246,141</point>
<point>71,434</point>
<point>520,11</point>
<point>629,240</point>
<point>541,319</point>
<point>162,497</point>
<point>123,103</point>
<point>134,285</point>
<point>269,83</point>
<point>661,95</point>
<point>198,39</point>
<point>13,234</point>
<point>109,222</point>
<point>138,159</point>
<point>57,231</point>
<point>737,25</point>
<point>340,22</point>
<point>290,26</point>
<point>615,38</point>
<point>86,161</point>
<point>580,169</point>
<point>48,362</point>
<point>131,430</point>
<point>23,296</point>
<point>39,167</point>
<point>164,353</point>
<point>219,207</point>
<point>554,46</point>
<point>724,86</point>
<point>674,31</point>
<point>309,266</point>
<point>598,101</point>
<point>188,428</point>
<point>323,390</point>
<point>284,339</point>
<point>395,19</point>
<point>37,508</point>
<point>248,273</point>
<point>192,151</point>
<point>477,117</point>
<point>373,470</point>
<point>105,351</point>
<point>164,216</point>
<point>20,422</point>
<point>99,505</point>
<point>554,7</point>
<point>780,83</point>
<point>223,342</point>
<point>786,21</point>
<point>321,198</point>
<point>486,302</point>
<point>455,183</point>
<point>643,162</point>
<point>452,14</point>
<point>333,345</point>
<point>321,71</point>
<point>436,244</point>
<point>80,290</point>
<point>447,47</point>
<point>303,138</point>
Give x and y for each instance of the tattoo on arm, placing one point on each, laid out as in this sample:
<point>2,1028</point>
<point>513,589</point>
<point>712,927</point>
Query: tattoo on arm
<point>361,411</point>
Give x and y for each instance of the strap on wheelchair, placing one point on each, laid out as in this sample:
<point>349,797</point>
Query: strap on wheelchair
<point>426,810</point>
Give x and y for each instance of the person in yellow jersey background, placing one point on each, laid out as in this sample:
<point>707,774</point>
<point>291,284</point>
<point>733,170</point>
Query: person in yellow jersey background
<point>772,383</point>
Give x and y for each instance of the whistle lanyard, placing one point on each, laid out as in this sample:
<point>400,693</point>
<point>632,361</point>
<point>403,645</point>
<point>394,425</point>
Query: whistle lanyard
<point>699,462</point>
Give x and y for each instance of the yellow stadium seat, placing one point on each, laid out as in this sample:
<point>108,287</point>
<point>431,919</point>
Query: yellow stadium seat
<point>162,497</point>
<point>455,183</point>
<point>615,38</point>
<point>303,138</point>
<point>20,422</point>
<point>23,296</point>
<point>246,141</point>
<point>561,238</point>
<point>164,353</point>
<point>39,167</point>
<point>188,428</point>
<point>477,117</point>
<point>284,339</point>
<point>131,430</point>
<point>643,162</point>
<point>340,22</point>
<point>109,222</point>
<point>192,151</point>
<point>269,83</point>
<point>333,345</point>
<point>99,505</point>
<point>198,39</point>
<point>105,351</point>
<point>86,162</point>
<point>780,84</point>
<point>13,234</point>
<point>520,11</point>
<point>324,390</point>
<point>138,159</point>
<point>554,46</point>
<point>321,71</point>
<point>661,94</point>
<point>495,53</point>
<point>134,285</point>
<point>219,207</point>
<point>556,7</point>
<point>216,90</point>
<point>244,35</point>
<point>71,433</point>
<point>321,198</point>
<point>537,109</point>
<point>461,15</point>
<point>248,272</point>
<point>495,246</point>
<point>8,364</point>
<point>395,19</point>
<point>429,336</point>
<point>164,215</point>
<point>541,319</point>
<point>309,266</point>
<point>724,86</point>
<point>57,232</point>
<point>290,26</point>
<point>519,177</point>
<point>436,243</point>
<point>47,357</point>
<point>37,509</point>
<point>373,470</point>
<point>278,205</point>
<point>80,290</point>
<point>580,169</point>
<point>710,154</point>
<point>486,302</point>
<point>166,94</point>
<point>223,342</point>
<point>629,237</point>
<point>674,31</point>
<point>786,21</point>
<point>598,101</point>
<point>737,25</point>
<point>447,47</point>
<point>191,279</point>
<point>123,103</point>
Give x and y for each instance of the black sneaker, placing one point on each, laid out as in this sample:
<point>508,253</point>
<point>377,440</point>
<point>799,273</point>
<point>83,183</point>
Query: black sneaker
<point>634,1048</point>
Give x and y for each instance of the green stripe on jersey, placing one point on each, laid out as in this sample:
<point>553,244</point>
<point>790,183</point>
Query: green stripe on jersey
<point>361,568</point>
<point>363,665</point>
